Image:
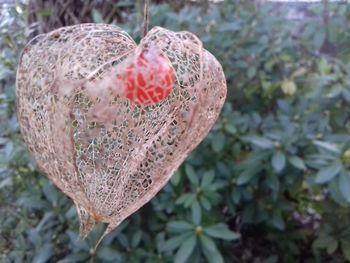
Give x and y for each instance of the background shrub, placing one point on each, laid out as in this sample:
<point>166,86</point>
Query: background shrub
<point>270,183</point>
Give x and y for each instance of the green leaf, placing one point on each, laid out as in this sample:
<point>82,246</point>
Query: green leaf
<point>331,147</point>
<point>322,241</point>
<point>77,242</point>
<point>50,193</point>
<point>229,27</point>
<point>277,220</point>
<point>346,95</point>
<point>191,174</point>
<point>32,202</point>
<point>251,72</point>
<point>175,179</point>
<point>260,142</point>
<point>76,257</point>
<point>221,231</point>
<point>299,72</point>
<point>344,185</point>
<point>96,16</point>
<point>319,38</point>
<point>179,226</point>
<point>231,129</point>
<point>208,178</point>
<point>278,161</point>
<point>345,247</point>
<point>271,259</point>
<point>136,239</point>
<point>334,190</point>
<point>189,201</point>
<point>196,213</point>
<point>175,242</point>
<point>109,254</point>
<point>246,176</point>
<point>185,250</point>
<point>328,173</point>
<point>5,182</point>
<point>210,250</point>
<point>297,162</point>
<point>123,240</point>
<point>44,254</point>
<point>205,202</point>
<point>273,182</point>
<point>9,149</point>
<point>332,246</point>
<point>323,66</point>
<point>183,198</point>
<point>218,142</point>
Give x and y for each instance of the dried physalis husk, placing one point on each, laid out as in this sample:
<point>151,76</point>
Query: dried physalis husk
<point>109,121</point>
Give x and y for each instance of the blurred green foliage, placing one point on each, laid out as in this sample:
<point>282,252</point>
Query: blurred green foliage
<point>270,183</point>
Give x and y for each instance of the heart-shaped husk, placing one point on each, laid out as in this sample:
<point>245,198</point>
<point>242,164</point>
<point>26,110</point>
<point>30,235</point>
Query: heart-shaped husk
<point>107,153</point>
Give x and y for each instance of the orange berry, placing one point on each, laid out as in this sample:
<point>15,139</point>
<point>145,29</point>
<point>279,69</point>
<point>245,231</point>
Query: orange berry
<point>149,78</point>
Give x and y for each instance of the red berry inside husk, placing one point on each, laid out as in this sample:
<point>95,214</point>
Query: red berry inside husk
<point>149,78</point>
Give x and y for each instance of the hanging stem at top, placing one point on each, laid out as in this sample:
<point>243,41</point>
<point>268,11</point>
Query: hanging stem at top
<point>145,17</point>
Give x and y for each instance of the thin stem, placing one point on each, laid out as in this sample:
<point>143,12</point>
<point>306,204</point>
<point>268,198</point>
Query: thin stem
<point>145,17</point>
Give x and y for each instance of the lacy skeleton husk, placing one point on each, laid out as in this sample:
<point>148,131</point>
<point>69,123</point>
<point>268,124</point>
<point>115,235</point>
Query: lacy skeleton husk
<point>107,153</point>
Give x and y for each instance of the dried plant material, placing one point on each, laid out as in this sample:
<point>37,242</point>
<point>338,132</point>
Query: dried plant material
<point>108,150</point>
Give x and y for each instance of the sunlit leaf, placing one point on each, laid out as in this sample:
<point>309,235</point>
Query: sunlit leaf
<point>179,226</point>
<point>328,173</point>
<point>297,162</point>
<point>260,142</point>
<point>278,161</point>
<point>328,146</point>
<point>221,231</point>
